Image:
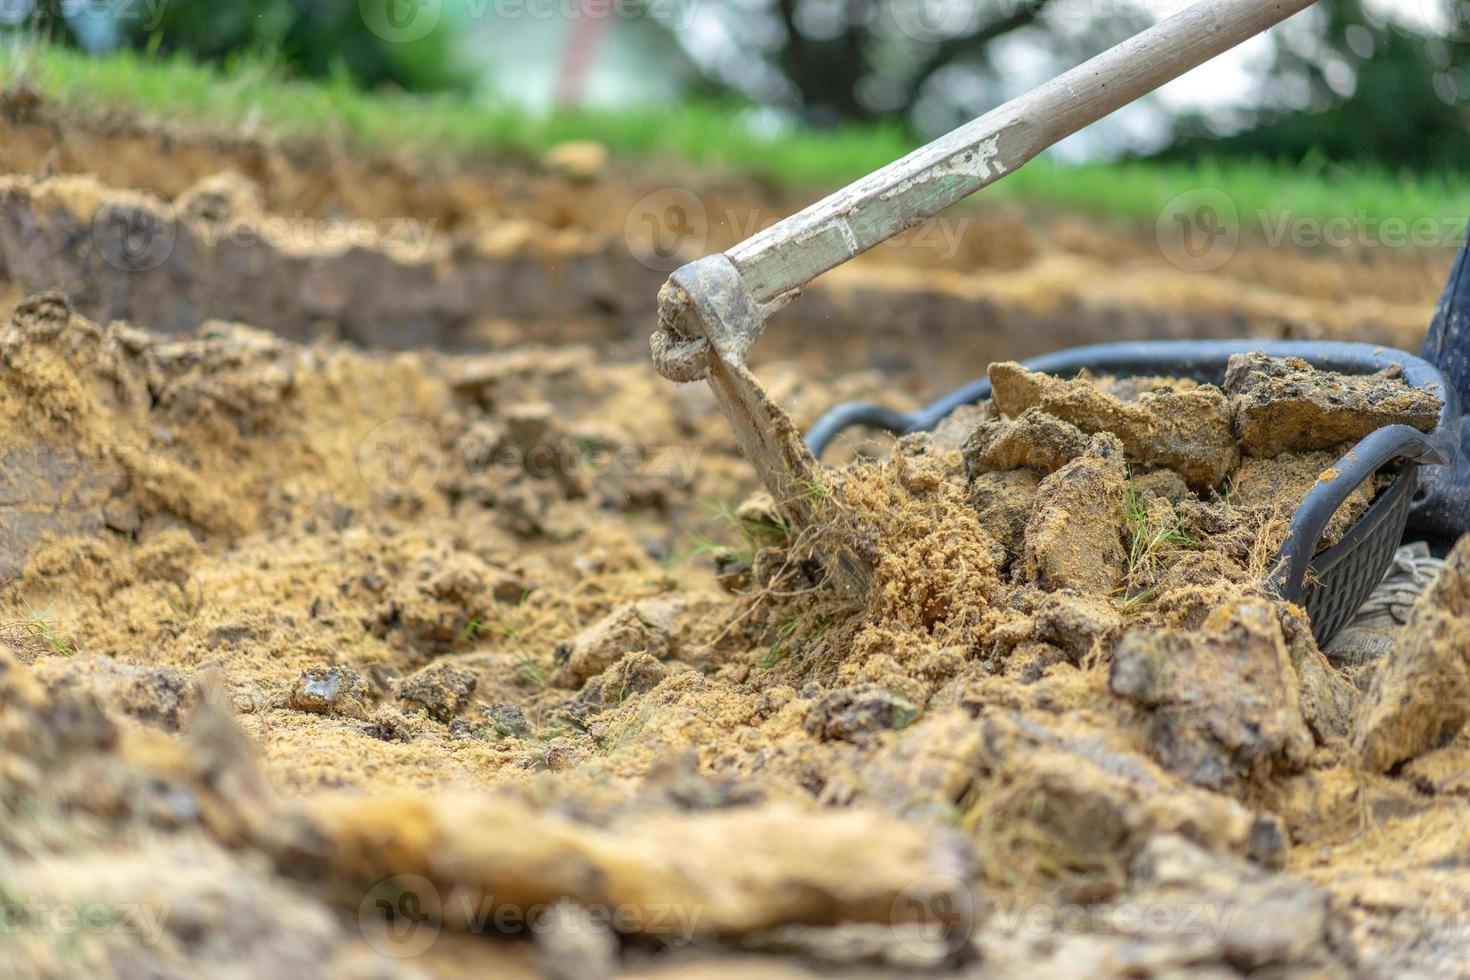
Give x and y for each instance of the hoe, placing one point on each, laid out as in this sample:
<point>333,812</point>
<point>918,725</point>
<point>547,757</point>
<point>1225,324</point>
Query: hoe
<point>712,310</point>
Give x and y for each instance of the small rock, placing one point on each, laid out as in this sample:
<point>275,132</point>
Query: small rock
<point>511,589</point>
<point>1328,698</point>
<point>508,720</point>
<point>1077,791</point>
<point>851,714</point>
<point>440,692</point>
<point>153,695</point>
<point>338,690</point>
<point>388,724</point>
<point>439,592</point>
<point>221,199</point>
<point>1261,919</point>
<point>646,625</point>
<point>1162,483</point>
<point>574,944</point>
<point>637,673</point>
<point>1003,501</point>
<point>1029,661</point>
<point>577,159</point>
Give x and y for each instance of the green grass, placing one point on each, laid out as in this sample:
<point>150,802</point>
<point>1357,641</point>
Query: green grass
<point>252,96</point>
<point>36,631</point>
<point>751,536</point>
<point>1149,539</point>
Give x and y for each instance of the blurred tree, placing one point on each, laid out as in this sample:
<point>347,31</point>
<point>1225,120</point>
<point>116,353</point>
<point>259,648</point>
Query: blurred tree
<point>1354,86</point>
<point>317,38</point>
<point>860,59</point>
<point>1341,82</point>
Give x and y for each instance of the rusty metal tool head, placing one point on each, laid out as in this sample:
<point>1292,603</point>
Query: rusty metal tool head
<point>712,310</point>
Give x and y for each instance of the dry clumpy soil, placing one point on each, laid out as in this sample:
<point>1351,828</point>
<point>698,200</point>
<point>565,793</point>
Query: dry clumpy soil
<point>322,660</point>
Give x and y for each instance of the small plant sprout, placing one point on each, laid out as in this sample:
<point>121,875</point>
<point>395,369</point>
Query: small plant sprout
<point>751,535</point>
<point>37,631</point>
<point>1150,537</point>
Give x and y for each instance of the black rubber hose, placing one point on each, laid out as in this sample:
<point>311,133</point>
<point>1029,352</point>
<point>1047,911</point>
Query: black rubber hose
<point>849,414</point>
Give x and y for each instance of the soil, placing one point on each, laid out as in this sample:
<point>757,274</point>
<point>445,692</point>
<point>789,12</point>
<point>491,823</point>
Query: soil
<point>376,615</point>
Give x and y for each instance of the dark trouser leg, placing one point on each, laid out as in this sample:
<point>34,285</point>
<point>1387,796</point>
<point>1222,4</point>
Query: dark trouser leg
<point>1445,510</point>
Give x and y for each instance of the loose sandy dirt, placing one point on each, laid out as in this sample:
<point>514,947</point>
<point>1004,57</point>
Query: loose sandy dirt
<point>372,612</point>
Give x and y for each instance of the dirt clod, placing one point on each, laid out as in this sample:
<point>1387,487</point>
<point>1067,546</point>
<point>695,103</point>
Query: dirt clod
<point>849,715</point>
<point>338,690</point>
<point>1283,404</point>
<point>1033,439</point>
<point>646,626</point>
<point>1419,698</point>
<point>440,691</point>
<point>1180,426</point>
<point>1074,535</point>
<point>1223,702</point>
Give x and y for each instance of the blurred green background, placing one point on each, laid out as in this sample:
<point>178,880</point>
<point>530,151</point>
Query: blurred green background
<point>1377,85</point>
